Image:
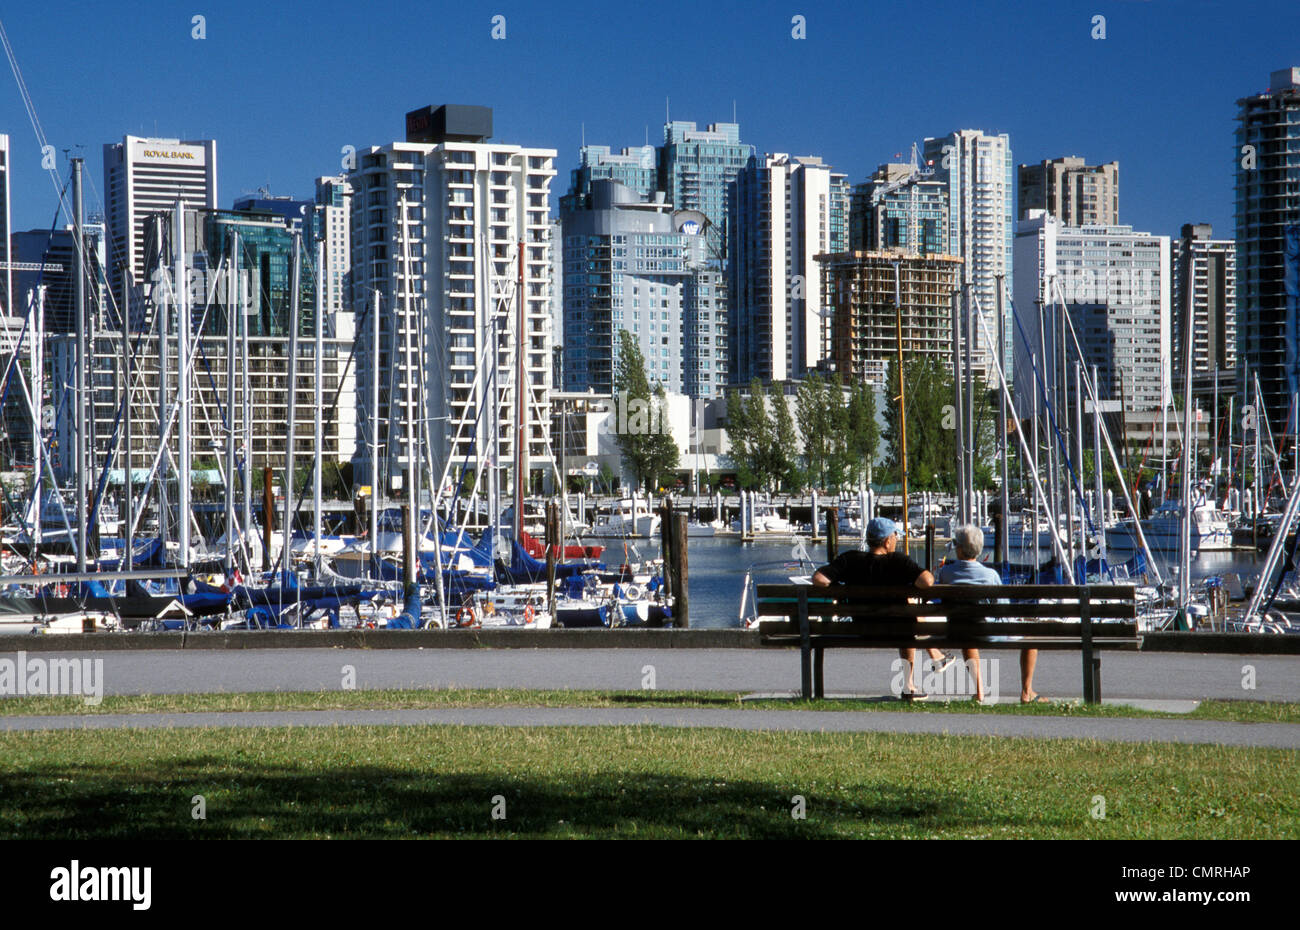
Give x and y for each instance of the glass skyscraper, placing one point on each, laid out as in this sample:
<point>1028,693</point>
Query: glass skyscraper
<point>1266,155</point>
<point>636,169</point>
<point>697,169</point>
<point>977,169</point>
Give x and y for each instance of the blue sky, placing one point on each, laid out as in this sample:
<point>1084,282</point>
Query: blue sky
<point>283,87</point>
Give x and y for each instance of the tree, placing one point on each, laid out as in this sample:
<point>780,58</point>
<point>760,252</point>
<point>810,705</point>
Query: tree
<point>838,464</point>
<point>932,429</point>
<point>863,431</point>
<point>931,448</point>
<point>814,422</point>
<point>641,418</point>
<point>785,443</point>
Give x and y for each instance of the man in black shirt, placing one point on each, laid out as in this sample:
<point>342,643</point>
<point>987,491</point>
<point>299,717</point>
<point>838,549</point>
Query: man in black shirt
<point>884,567</point>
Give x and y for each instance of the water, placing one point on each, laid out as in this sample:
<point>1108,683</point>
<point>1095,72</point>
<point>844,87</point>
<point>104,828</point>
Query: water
<point>718,566</point>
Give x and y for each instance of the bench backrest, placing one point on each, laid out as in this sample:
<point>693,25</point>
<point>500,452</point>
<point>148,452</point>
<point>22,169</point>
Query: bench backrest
<point>953,602</point>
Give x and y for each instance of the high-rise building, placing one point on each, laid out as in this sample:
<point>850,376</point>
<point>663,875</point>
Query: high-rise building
<point>1205,291</point>
<point>697,169</point>
<point>788,211</point>
<point>333,217</point>
<point>1266,153</point>
<point>8,306</point>
<point>1076,193</point>
<point>1114,284</point>
<point>639,267</point>
<point>143,177</point>
<point>49,260</point>
<point>438,225</point>
<point>265,282</point>
<point>635,168</point>
<point>897,210</point>
<point>293,211</point>
<point>860,289</point>
<point>976,168</point>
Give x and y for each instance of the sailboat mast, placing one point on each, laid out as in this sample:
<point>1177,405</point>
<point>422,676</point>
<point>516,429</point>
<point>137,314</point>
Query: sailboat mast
<point>1004,491</point>
<point>79,291</point>
<point>414,366</point>
<point>521,409</point>
<point>962,478</point>
<point>1185,536</point>
<point>291,382</point>
<point>232,314</point>
<point>247,407</point>
<point>902,395</point>
<point>38,404</point>
<point>181,290</point>
<point>317,429</point>
<point>1100,509</point>
<point>374,438</point>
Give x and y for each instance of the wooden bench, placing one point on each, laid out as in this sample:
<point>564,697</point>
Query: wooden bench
<point>1083,617</point>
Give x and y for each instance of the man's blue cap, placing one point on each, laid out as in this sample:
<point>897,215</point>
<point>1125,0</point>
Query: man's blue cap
<point>880,529</point>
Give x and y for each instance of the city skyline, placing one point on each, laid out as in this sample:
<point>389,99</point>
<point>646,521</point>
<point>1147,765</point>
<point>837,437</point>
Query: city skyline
<point>1157,94</point>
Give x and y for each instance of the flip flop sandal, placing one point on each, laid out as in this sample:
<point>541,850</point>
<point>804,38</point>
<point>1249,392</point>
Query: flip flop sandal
<point>942,665</point>
<point>1036,699</point>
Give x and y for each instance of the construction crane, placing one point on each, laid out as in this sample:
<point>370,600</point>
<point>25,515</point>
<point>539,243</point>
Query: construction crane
<point>917,174</point>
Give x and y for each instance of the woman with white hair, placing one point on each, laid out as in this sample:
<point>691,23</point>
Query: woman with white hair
<point>968,540</point>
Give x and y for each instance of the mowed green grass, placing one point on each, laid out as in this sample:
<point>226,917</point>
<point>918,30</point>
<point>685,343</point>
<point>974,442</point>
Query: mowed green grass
<point>1237,711</point>
<point>435,781</point>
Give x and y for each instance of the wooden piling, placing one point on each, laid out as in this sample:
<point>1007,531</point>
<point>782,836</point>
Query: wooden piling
<point>832,533</point>
<point>681,575</point>
<point>929,547</point>
<point>666,542</point>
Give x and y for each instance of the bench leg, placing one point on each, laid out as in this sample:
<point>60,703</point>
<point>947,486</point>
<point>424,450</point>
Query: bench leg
<point>819,683</point>
<point>1096,679</point>
<point>805,671</point>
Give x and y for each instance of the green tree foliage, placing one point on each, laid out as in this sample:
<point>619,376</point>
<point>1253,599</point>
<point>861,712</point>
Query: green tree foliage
<point>817,428</point>
<point>932,428</point>
<point>931,449</point>
<point>763,439</point>
<point>785,443</point>
<point>840,435</point>
<point>641,425</point>
<point>863,437</point>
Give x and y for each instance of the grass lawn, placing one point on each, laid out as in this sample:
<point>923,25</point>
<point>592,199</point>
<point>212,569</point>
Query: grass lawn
<point>1238,711</point>
<point>387,782</point>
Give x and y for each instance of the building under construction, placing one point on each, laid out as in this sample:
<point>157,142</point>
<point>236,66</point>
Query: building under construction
<point>862,330</point>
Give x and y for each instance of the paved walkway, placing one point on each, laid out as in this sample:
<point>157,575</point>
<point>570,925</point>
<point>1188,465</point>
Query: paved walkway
<point>1059,674</point>
<point>1271,735</point>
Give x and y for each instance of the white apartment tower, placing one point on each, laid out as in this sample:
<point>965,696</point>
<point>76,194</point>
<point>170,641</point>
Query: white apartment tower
<point>1205,292</point>
<point>333,196</point>
<point>979,175</point>
<point>788,211</point>
<point>1114,283</point>
<point>439,223</point>
<point>144,176</point>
